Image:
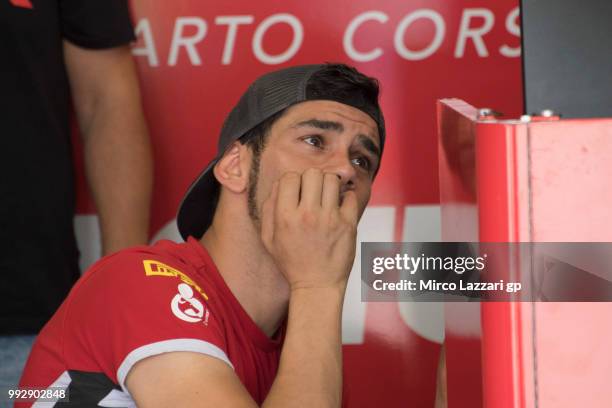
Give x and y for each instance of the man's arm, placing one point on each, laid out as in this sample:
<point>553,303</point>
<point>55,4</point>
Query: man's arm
<point>186,379</point>
<point>310,371</point>
<point>116,144</point>
<point>312,240</point>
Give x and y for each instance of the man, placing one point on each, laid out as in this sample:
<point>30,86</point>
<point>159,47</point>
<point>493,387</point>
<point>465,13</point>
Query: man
<point>53,50</point>
<point>202,323</point>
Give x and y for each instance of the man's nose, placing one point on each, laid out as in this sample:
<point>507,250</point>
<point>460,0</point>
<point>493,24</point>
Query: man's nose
<point>340,164</point>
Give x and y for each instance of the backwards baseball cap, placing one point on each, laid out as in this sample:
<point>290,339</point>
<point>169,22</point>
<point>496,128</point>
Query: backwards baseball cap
<point>267,96</point>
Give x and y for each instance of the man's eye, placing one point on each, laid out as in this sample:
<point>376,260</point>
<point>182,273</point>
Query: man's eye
<point>362,162</point>
<point>313,141</point>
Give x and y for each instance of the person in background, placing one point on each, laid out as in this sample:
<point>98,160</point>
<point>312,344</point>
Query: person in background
<point>52,52</point>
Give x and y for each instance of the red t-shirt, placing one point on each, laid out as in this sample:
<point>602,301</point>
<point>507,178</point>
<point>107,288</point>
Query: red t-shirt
<point>142,302</point>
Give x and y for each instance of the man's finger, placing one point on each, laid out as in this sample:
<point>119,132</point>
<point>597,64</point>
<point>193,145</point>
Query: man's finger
<point>312,187</point>
<point>349,209</point>
<point>288,194</point>
<point>331,191</point>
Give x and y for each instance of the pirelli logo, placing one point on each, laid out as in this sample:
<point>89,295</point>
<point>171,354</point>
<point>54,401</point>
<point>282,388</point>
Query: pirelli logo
<point>156,268</point>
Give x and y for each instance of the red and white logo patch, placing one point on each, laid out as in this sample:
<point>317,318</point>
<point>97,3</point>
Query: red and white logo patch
<point>186,307</point>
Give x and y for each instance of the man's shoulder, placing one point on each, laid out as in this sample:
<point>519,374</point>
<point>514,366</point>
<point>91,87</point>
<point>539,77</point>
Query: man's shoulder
<point>145,256</point>
<point>134,266</point>
<point>138,303</point>
<point>150,278</point>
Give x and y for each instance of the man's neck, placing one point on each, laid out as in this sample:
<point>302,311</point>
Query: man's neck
<point>249,272</point>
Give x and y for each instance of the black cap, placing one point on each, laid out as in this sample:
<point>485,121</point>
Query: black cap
<point>268,95</point>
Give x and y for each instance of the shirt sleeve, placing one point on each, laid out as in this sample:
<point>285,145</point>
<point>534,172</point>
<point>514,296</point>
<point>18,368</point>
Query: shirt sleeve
<point>133,307</point>
<point>96,24</point>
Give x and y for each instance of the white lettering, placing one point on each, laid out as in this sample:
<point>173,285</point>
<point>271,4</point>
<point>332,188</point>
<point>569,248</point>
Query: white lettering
<point>475,34</point>
<point>513,287</point>
<point>148,49</point>
<point>179,41</point>
<point>416,262</point>
<point>402,285</point>
<point>347,41</point>
<point>377,285</point>
<point>398,40</point>
<point>298,36</point>
<point>512,25</point>
<point>433,285</point>
<point>377,267</point>
<point>232,23</point>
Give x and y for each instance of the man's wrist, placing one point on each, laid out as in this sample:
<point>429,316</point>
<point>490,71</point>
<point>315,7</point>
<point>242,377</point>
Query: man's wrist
<point>306,289</point>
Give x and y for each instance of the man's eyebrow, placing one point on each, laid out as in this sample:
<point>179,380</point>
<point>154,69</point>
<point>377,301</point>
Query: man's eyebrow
<point>321,124</point>
<point>369,145</point>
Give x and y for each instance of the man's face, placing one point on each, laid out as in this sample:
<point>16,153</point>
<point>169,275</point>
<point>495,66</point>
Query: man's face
<point>327,135</point>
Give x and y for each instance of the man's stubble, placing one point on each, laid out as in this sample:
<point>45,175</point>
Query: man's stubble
<point>252,188</point>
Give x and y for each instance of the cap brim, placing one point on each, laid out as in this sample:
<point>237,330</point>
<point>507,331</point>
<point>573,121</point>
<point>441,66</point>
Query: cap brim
<point>198,206</point>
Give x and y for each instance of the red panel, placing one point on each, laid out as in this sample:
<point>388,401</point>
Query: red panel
<point>458,209</point>
<point>498,172</point>
<point>571,197</point>
<point>538,181</point>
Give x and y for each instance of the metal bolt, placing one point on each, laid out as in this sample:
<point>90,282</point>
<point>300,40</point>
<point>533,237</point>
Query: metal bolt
<point>547,113</point>
<point>485,112</point>
<point>488,114</point>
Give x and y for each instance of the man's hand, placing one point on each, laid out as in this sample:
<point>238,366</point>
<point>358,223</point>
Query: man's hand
<point>309,230</point>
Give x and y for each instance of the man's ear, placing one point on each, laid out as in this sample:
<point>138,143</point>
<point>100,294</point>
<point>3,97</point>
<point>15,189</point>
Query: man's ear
<point>232,170</point>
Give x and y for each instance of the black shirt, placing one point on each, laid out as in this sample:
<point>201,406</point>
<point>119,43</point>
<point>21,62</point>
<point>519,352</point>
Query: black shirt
<point>38,253</point>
